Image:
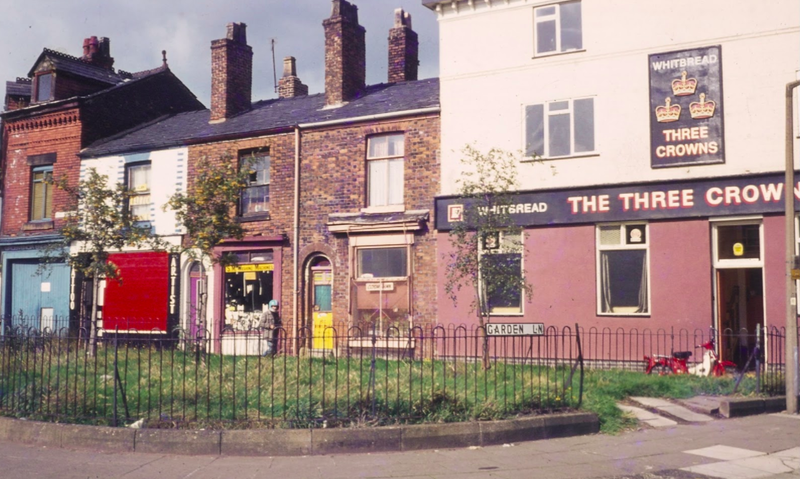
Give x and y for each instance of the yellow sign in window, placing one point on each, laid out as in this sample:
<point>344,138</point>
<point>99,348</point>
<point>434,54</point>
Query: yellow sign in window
<point>244,268</point>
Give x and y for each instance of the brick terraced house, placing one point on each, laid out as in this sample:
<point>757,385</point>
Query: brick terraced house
<point>338,210</point>
<point>65,104</point>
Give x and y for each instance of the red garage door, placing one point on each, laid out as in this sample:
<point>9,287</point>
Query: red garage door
<point>140,300</point>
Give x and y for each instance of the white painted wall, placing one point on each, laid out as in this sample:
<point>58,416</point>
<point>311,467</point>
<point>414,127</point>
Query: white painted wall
<point>167,176</point>
<point>488,74</point>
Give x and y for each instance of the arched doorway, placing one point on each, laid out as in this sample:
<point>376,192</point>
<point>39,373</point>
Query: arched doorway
<point>197,300</point>
<point>319,304</point>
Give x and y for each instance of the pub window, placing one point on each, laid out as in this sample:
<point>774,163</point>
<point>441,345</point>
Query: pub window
<point>622,268</point>
<point>42,193</point>
<point>557,28</point>
<point>248,288</point>
<point>501,256</point>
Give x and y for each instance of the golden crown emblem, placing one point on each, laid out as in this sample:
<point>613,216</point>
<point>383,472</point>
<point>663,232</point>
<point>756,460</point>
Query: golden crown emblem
<point>684,86</point>
<point>668,113</point>
<point>702,109</point>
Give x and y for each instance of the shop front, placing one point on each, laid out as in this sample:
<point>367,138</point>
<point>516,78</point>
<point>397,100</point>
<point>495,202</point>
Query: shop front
<point>246,282</point>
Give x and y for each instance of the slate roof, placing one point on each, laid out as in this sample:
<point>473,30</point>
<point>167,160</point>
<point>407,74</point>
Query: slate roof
<point>268,115</point>
<point>76,66</point>
<point>17,88</point>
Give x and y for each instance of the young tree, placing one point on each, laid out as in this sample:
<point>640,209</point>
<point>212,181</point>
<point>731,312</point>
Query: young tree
<point>487,245</point>
<point>102,223</point>
<point>207,212</point>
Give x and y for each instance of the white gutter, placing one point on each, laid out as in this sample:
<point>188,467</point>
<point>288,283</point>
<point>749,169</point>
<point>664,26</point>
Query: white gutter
<point>379,116</point>
<point>296,239</point>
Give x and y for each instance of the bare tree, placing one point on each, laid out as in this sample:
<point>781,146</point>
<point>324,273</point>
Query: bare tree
<point>486,244</point>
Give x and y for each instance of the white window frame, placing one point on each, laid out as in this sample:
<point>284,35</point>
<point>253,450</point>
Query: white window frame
<point>622,246</point>
<point>503,248</point>
<point>385,203</point>
<point>141,193</point>
<point>737,262</point>
<point>254,183</point>
<point>546,114</point>
<point>540,17</point>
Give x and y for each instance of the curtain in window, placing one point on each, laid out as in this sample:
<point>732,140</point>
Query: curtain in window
<point>623,277</point>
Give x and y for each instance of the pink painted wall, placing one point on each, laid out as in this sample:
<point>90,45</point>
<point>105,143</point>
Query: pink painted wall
<point>775,271</point>
<point>561,266</point>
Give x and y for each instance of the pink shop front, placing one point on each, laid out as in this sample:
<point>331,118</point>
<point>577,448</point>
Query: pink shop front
<point>691,255</point>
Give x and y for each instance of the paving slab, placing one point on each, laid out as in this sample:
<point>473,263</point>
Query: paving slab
<point>672,409</point>
<point>647,417</point>
<point>725,453</point>
<point>727,470</point>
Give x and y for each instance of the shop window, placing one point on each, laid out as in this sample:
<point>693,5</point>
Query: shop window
<point>501,256</point>
<point>385,165</point>
<point>560,128</point>
<point>381,291</point>
<point>44,87</point>
<point>557,28</point>
<point>742,241</point>
<point>138,175</point>
<point>622,267</point>
<point>41,193</point>
<point>248,289</point>
<point>255,196</point>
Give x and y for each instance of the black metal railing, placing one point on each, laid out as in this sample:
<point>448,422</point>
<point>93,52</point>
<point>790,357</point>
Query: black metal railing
<point>177,380</point>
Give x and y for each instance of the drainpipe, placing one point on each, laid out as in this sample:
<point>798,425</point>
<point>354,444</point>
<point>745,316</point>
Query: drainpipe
<point>296,248</point>
<point>791,260</point>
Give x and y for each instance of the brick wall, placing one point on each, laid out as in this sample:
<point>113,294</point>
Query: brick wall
<point>345,54</point>
<point>281,211</point>
<point>58,133</point>
<point>333,180</point>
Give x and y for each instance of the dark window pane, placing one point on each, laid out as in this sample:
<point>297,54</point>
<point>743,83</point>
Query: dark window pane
<point>559,135</point>
<point>503,294</point>
<point>584,125</point>
<point>571,37</point>
<point>534,130</point>
<point>546,36</point>
<point>255,200</point>
<point>625,270</point>
<point>382,262</point>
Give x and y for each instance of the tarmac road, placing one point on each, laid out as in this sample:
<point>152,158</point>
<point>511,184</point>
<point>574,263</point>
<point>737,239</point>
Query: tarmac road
<point>642,454</point>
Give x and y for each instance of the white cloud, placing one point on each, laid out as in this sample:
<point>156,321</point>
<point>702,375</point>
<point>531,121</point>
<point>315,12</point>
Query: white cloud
<point>140,29</point>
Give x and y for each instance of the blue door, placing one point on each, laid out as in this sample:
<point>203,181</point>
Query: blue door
<point>39,300</point>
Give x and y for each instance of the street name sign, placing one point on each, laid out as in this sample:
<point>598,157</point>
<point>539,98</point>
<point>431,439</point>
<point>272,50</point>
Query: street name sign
<point>515,329</point>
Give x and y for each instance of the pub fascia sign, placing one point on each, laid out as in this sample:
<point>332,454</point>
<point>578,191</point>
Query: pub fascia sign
<point>696,198</point>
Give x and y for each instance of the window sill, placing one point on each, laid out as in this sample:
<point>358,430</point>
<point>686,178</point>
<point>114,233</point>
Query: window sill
<point>556,54</point>
<point>384,209</point>
<point>624,315</point>
<point>557,158</point>
<point>249,218</point>
<point>38,225</point>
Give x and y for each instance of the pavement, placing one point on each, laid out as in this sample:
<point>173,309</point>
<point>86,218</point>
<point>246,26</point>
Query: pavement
<point>766,445</point>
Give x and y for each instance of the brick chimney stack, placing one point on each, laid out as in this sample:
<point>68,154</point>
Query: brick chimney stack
<point>345,54</point>
<point>97,52</point>
<point>290,86</point>
<point>231,74</point>
<point>403,49</point>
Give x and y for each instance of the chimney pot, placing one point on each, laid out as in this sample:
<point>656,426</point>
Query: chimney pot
<point>289,86</point>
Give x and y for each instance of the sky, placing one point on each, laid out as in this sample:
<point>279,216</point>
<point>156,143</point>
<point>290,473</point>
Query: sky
<point>139,29</point>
